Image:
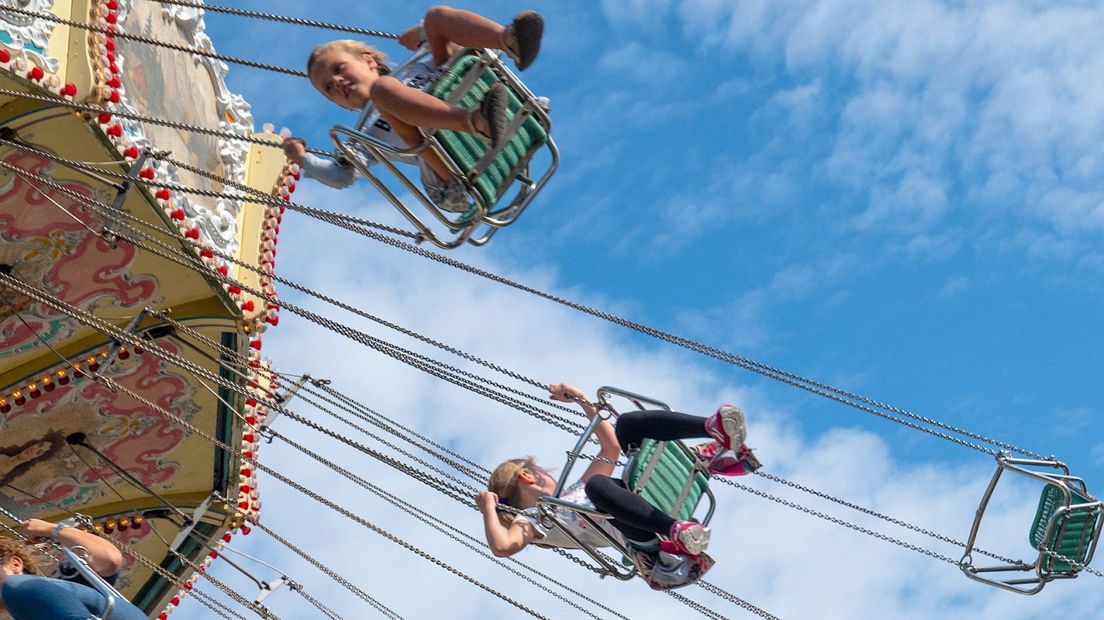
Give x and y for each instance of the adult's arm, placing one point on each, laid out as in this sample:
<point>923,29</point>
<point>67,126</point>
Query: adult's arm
<point>103,557</point>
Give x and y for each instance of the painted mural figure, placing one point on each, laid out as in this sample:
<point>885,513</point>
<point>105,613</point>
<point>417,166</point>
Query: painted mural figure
<point>18,459</point>
<point>352,74</point>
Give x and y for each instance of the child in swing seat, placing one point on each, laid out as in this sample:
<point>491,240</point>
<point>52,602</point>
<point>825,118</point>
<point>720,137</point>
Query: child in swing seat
<point>350,74</point>
<point>520,483</point>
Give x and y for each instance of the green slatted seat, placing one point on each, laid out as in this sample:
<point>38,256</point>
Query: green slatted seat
<point>500,184</point>
<point>466,150</point>
<point>665,473</point>
<point>664,485</point>
<point>1068,522</point>
<point>1071,535</point>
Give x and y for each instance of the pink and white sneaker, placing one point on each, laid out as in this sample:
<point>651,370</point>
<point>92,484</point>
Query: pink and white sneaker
<point>727,426</point>
<point>722,462</point>
<point>689,538</point>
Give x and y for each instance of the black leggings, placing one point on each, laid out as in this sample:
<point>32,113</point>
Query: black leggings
<point>632,515</point>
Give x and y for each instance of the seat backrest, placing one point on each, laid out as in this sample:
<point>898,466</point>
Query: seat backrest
<point>467,150</point>
<point>1072,533</point>
<point>664,474</point>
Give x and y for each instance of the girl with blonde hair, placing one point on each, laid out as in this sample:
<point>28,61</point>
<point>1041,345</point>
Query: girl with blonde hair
<point>520,483</point>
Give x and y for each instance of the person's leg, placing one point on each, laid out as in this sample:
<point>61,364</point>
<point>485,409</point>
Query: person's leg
<point>633,515</point>
<point>636,426</point>
<point>640,521</point>
<point>444,25</point>
<point>726,426</point>
<point>31,597</point>
<point>409,108</point>
<point>521,39</point>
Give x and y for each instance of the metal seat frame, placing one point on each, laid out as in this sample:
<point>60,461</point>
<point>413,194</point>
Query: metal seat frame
<point>547,505</point>
<point>74,557</point>
<point>478,226</point>
<point>1060,478</point>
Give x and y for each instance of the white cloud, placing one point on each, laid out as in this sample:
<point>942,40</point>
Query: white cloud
<point>765,552</point>
<point>954,286</point>
<point>999,99</point>
<point>643,64</point>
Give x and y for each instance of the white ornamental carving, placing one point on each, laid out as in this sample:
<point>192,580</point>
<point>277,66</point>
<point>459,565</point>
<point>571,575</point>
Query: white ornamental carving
<point>217,223</point>
<point>30,35</point>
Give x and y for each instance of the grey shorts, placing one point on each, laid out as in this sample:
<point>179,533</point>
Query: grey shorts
<point>448,195</point>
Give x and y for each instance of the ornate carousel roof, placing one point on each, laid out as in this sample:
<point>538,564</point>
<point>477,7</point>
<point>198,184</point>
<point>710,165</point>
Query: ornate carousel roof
<point>70,444</point>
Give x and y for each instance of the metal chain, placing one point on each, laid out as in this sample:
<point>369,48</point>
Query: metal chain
<point>851,399</point>
<point>158,351</point>
<point>135,117</point>
<point>837,521</point>
<point>696,606</point>
<point>214,274</point>
<point>343,220</point>
<point>283,19</point>
<point>256,608</point>
<point>331,614</point>
<point>867,531</point>
<point>117,33</point>
<point>332,574</point>
<point>449,530</point>
<point>728,596</point>
<point>452,463</point>
<point>409,357</point>
<point>873,513</point>
<point>110,330</point>
<point>470,467</point>
<point>215,606</point>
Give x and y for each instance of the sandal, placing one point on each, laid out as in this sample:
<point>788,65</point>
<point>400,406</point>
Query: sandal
<point>526,31</point>
<point>493,110</point>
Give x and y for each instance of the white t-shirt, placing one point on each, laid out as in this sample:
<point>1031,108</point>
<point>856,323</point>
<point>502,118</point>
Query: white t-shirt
<point>420,75</point>
<point>554,537</point>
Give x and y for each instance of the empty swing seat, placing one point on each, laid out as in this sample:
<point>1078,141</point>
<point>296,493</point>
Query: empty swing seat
<point>1064,533</point>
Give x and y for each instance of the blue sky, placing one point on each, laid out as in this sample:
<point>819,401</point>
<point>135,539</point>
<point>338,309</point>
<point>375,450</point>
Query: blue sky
<point>899,198</point>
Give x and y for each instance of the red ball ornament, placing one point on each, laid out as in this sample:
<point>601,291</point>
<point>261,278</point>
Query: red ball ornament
<point>147,173</point>
<point>114,97</point>
<point>177,214</point>
<point>192,234</point>
<point>115,131</point>
<point>248,306</point>
<point>36,73</point>
<point>132,152</point>
<point>162,194</point>
<point>205,253</point>
<point>69,90</point>
<point>227,537</point>
<point>5,56</point>
<point>104,119</point>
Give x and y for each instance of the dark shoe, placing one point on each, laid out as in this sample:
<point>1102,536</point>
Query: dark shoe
<point>526,31</point>
<point>493,110</point>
